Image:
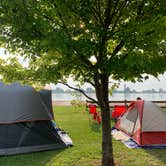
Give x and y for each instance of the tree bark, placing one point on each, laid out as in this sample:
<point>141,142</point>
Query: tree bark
<point>102,96</point>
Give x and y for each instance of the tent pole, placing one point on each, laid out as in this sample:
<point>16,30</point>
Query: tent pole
<point>125,101</point>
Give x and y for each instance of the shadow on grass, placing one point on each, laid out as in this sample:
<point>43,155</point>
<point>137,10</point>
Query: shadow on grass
<point>159,154</point>
<point>42,158</point>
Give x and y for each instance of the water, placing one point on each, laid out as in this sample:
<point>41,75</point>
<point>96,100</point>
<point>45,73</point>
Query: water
<point>116,96</point>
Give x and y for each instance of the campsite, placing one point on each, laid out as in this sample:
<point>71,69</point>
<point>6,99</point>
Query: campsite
<point>87,147</point>
<point>78,42</point>
<point>34,132</point>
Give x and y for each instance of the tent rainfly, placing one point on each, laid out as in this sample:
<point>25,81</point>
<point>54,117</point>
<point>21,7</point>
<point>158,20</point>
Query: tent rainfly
<point>26,121</point>
<point>145,123</point>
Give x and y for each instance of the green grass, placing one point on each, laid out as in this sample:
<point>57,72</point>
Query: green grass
<point>87,146</point>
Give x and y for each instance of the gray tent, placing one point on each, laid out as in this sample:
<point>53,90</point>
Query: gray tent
<point>26,121</point>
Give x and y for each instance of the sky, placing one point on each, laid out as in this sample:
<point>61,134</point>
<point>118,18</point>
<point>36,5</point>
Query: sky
<point>4,54</point>
<point>151,83</point>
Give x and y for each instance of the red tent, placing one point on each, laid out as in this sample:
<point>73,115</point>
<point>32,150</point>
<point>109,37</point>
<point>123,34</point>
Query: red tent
<point>145,123</point>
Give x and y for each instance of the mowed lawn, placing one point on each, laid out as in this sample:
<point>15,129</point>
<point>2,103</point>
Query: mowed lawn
<point>87,146</point>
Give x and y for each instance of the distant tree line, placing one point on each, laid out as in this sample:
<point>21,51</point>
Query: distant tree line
<point>126,90</point>
<point>60,90</point>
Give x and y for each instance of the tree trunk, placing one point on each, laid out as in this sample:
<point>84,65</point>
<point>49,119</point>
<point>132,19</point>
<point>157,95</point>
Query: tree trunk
<point>107,150</point>
<point>102,93</point>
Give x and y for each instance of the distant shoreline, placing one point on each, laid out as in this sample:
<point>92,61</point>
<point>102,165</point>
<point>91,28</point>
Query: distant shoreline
<point>142,92</point>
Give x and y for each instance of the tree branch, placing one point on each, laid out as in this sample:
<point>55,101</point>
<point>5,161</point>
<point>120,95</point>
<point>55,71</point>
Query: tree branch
<point>97,13</point>
<point>117,48</point>
<point>98,6</point>
<point>79,90</point>
<point>48,18</point>
<point>91,83</point>
<point>119,10</point>
<point>61,18</point>
<point>82,57</point>
<point>107,14</point>
<point>86,61</point>
<point>114,11</point>
<point>125,56</point>
<point>139,10</point>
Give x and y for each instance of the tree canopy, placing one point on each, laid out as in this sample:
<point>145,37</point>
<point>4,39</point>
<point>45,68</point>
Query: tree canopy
<point>126,39</point>
<point>59,37</point>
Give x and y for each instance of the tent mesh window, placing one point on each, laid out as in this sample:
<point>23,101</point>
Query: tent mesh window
<point>128,121</point>
<point>132,115</point>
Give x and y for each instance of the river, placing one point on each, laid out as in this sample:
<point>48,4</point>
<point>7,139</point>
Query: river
<point>116,96</point>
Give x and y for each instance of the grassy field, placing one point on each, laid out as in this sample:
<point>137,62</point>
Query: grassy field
<point>87,146</point>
